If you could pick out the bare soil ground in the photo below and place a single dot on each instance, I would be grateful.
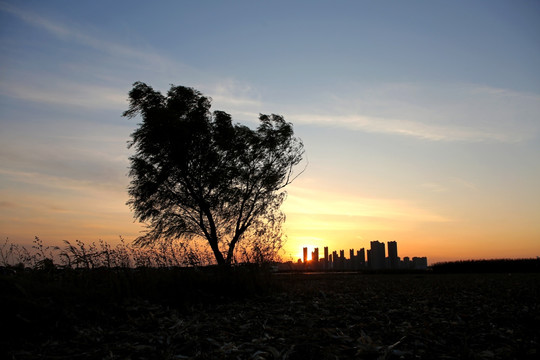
(286, 316)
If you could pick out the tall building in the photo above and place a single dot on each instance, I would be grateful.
(305, 255)
(326, 257)
(361, 258)
(377, 255)
(315, 256)
(393, 260)
(341, 265)
(351, 265)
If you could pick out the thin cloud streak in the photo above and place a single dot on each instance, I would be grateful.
(234, 96)
(434, 187)
(442, 112)
(68, 33)
(66, 93)
(40, 179)
(401, 127)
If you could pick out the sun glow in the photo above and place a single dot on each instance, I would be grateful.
(320, 204)
(305, 242)
(317, 218)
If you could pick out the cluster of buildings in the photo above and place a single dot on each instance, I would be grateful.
(378, 257)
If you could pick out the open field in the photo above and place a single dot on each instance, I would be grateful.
(171, 314)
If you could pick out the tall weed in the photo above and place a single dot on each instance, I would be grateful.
(80, 255)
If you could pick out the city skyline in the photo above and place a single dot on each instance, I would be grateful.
(420, 119)
(374, 258)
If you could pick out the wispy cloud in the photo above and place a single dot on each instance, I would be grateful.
(442, 112)
(405, 127)
(8, 204)
(450, 185)
(105, 85)
(79, 85)
(235, 97)
(234, 92)
(65, 184)
(72, 34)
(435, 187)
(65, 93)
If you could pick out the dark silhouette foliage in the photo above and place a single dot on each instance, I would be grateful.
(195, 174)
(488, 266)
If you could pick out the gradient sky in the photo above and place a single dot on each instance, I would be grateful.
(420, 119)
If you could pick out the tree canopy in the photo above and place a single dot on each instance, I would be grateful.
(195, 174)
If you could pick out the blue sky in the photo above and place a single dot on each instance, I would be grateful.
(421, 119)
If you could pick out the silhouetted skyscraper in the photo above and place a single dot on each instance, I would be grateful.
(393, 259)
(326, 257)
(341, 260)
(377, 256)
(361, 258)
(305, 255)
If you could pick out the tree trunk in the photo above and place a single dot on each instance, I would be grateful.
(211, 236)
(232, 245)
(217, 254)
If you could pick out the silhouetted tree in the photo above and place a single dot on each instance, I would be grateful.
(196, 174)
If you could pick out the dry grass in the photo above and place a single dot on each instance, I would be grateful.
(103, 255)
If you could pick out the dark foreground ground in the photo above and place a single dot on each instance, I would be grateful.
(270, 316)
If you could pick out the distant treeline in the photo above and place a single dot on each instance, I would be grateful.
(488, 266)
